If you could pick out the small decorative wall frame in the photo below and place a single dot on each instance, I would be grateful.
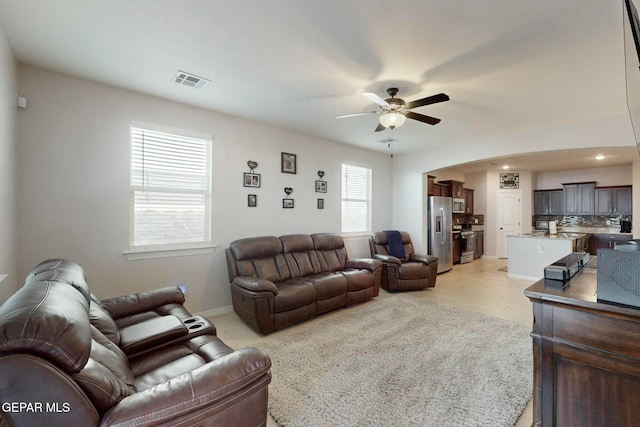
(509, 180)
(252, 200)
(320, 203)
(321, 186)
(251, 179)
(288, 163)
(287, 203)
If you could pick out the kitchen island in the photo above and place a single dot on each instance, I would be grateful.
(529, 254)
(586, 355)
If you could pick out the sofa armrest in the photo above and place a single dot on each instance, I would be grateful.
(255, 284)
(364, 263)
(197, 395)
(387, 259)
(425, 259)
(128, 305)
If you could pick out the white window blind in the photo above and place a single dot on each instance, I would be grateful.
(356, 199)
(170, 190)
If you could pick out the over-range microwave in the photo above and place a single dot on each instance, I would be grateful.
(458, 205)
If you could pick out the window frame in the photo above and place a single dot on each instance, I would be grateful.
(170, 249)
(368, 200)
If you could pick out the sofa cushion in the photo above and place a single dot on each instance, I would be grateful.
(101, 319)
(106, 378)
(328, 284)
(32, 321)
(63, 271)
(294, 293)
(358, 279)
(331, 251)
(413, 270)
(300, 254)
(259, 257)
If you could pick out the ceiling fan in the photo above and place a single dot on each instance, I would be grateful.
(394, 111)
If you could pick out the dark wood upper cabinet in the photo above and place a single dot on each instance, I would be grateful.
(547, 202)
(613, 200)
(579, 198)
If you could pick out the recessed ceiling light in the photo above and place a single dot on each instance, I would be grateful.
(505, 167)
(599, 157)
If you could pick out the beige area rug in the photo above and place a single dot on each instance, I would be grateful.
(400, 361)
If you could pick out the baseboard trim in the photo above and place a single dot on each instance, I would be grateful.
(216, 311)
(522, 276)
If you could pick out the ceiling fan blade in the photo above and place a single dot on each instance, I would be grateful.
(422, 118)
(380, 128)
(375, 98)
(434, 99)
(356, 114)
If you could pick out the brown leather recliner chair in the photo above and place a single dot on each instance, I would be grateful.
(403, 273)
(65, 362)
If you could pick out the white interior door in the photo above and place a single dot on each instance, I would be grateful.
(509, 219)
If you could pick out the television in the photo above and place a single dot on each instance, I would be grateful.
(631, 33)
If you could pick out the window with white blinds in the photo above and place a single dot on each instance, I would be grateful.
(170, 190)
(356, 199)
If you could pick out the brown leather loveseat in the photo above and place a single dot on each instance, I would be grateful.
(279, 281)
(69, 359)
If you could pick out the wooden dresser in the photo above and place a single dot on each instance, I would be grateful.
(586, 356)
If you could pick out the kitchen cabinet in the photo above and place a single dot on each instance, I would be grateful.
(457, 188)
(547, 202)
(479, 245)
(456, 247)
(468, 201)
(613, 200)
(578, 198)
(437, 189)
(605, 241)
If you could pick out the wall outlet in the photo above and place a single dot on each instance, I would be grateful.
(608, 222)
(476, 220)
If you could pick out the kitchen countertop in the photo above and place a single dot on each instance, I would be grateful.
(559, 236)
(594, 230)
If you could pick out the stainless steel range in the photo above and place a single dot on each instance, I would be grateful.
(467, 246)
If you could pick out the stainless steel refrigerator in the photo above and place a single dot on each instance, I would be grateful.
(440, 231)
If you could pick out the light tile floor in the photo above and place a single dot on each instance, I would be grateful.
(477, 286)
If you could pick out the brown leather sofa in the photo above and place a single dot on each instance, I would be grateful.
(279, 281)
(411, 272)
(68, 359)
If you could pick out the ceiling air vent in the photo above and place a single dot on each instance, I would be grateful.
(190, 80)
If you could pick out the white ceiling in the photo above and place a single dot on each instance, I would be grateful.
(508, 66)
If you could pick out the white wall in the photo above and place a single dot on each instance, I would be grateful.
(73, 171)
(606, 176)
(8, 245)
(408, 168)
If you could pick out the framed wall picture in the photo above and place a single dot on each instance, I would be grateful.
(252, 200)
(251, 179)
(321, 186)
(509, 181)
(288, 163)
(287, 203)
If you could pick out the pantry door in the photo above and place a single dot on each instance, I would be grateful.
(509, 219)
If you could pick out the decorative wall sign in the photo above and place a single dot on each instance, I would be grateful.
(509, 180)
(251, 179)
(287, 203)
(320, 203)
(252, 200)
(288, 163)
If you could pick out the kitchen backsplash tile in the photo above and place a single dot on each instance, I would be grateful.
(583, 221)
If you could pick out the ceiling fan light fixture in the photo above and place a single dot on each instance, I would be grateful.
(392, 120)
